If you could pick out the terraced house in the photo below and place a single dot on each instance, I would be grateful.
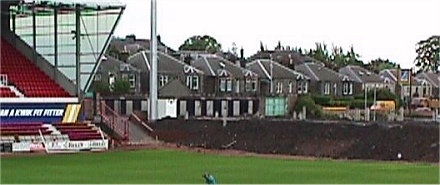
(224, 78)
(365, 79)
(175, 78)
(325, 81)
(277, 79)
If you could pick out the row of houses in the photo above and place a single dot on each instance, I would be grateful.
(214, 75)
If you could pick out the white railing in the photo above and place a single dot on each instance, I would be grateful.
(3, 79)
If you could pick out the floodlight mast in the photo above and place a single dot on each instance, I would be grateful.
(153, 60)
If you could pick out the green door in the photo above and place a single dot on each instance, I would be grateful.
(275, 106)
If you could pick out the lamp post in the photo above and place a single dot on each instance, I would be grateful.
(153, 60)
(366, 115)
(374, 113)
(438, 102)
(271, 74)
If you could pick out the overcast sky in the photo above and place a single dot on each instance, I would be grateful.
(376, 28)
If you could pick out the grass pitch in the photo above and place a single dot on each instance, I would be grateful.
(168, 166)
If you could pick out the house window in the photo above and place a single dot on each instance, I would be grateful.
(251, 85)
(229, 85)
(299, 87)
(192, 82)
(302, 87)
(97, 77)
(163, 80)
(237, 86)
(305, 86)
(335, 89)
(225, 85)
(350, 90)
(345, 88)
(279, 88)
(222, 85)
(327, 88)
(132, 80)
(125, 76)
(290, 87)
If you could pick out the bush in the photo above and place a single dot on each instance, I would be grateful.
(312, 108)
(101, 87)
(321, 99)
(360, 104)
(121, 87)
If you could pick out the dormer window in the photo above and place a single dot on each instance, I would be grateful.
(163, 80)
(347, 88)
(361, 73)
(124, 67)
(192, 82)
(279, 88)
(327, 88)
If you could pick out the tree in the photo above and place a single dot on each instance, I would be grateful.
(102, 87)
(201, 43)
(428, 54)
(353, 57)
(121, 87)
(379, 64)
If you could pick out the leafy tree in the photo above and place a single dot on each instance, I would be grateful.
(320, 52)
(428, 54)
(338, 57)
(379, 64)
(201, 43)
(121, 87)
(102, 87)
(353, 57)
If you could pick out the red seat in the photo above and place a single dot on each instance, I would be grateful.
(26, 76)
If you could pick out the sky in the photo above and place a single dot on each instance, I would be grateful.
(388, 29)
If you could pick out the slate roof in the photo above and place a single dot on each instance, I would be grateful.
(318, 72)
(109, 63)
(175, 88)
(135, 45)
(262, 68)
(165, 63)
(282, 56)
(360, 74)
(430, 77)
(213, 65)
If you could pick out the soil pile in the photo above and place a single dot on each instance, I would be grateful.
(344, 140)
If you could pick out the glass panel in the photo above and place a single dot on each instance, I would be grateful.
(95, 30)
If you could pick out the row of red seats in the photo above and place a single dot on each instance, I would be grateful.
(7, 92)
(26, 76)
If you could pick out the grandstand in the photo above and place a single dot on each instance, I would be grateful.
(49, 54)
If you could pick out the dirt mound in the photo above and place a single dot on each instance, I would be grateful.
(415, 142)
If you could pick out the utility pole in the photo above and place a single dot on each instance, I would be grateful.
(375, 103)
(153, 60)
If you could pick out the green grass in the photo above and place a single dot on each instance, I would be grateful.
(166, 166)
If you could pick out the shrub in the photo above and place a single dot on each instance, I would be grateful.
(321, 99)
(312, 108)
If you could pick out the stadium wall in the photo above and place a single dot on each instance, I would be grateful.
(195, 106)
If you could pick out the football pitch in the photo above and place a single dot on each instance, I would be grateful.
(182, 167)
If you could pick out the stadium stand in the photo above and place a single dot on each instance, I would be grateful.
(26, 77)
(30, 132)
